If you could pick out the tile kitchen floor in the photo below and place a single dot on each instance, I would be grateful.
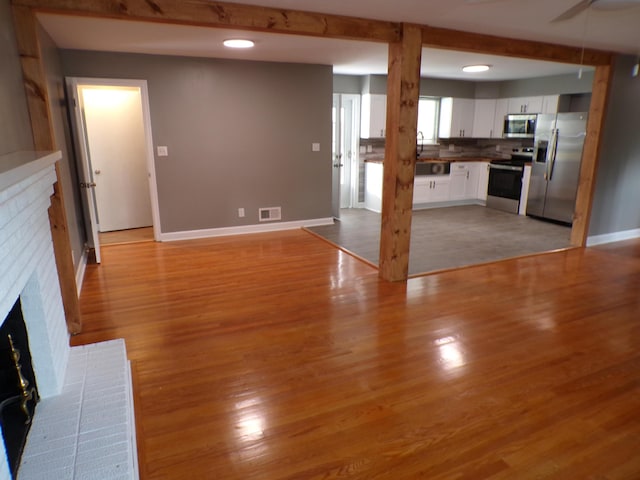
(450, 237)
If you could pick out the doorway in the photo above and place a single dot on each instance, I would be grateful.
(112, 132)
(346, 175)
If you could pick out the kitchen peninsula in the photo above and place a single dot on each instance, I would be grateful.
(441, 181)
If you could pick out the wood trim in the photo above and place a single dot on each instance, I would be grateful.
(64, 261)
(225, 15)
(490, 44)
(403, 90)
(590, 154)
(35, 83)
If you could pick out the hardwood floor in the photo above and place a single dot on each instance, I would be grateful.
(277, 356)
(132, 235)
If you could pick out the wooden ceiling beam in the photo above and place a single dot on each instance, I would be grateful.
(225, 15)
(480, 43)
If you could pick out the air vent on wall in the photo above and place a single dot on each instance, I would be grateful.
(269, 214)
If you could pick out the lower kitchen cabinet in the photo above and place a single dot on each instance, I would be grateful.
(483, 181)
(373, 186)
(466, 184)
(431, 189)
(464, 180)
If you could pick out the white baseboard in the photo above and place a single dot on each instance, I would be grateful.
(82, 266)
(613, 237)
(245, 229)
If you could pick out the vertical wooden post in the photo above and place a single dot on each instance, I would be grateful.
(590, 154)
(403, 91)
(35, 84)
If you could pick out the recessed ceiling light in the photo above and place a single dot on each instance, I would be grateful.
(475, 68)
(238, 43)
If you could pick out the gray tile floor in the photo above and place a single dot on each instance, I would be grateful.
(450, 237)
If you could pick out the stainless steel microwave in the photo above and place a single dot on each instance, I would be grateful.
(519, 126)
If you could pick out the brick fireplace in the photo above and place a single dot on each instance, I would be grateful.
(83, 426)
(27, 267)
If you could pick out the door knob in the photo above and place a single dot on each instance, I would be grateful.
(97, 172)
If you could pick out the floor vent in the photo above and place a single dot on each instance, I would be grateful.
(269, 214)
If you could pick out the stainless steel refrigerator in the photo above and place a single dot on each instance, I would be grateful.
(555, 168)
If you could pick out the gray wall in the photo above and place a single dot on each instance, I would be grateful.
(350, 84)
(558, 84)
(15, 127)
(68, 172)
(437, 87)
(239, 134)
(616, 205)
(377, 84)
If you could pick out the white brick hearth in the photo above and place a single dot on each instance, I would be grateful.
(83, 428)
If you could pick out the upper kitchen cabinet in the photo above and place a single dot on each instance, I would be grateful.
(488, 117)
(502, 108)
(456, 117)
(555, 103)
(525, 105)
(373, 116)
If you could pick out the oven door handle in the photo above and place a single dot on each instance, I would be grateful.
(511, 168)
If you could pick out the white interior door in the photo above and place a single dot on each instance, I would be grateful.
(84, 170)
(346, 134)
(116, 146)
(350, 136)
(336, 157)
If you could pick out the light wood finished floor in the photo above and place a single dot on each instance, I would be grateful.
(450, 237)
(277, 356)
(133, 235)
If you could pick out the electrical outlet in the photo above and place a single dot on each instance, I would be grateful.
(315, 147)
(163, 151)
(241, 212)
(452, 147)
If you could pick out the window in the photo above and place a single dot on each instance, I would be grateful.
(428, 108)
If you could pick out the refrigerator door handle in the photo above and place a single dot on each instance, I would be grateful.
(551, 160)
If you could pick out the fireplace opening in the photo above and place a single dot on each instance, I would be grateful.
(18, 391)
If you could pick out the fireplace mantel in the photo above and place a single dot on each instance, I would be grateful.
(17, 166)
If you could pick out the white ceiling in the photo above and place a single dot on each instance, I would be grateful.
(527, 19)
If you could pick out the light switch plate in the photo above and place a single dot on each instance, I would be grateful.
(163, 151)
(315, 147)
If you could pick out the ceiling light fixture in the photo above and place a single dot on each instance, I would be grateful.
(476, 68)
(238, 43)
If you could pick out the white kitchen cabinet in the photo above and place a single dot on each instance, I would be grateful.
(483, 181)
(484, 118)
(502, 108)
(464, 180)
(555, 103)
(373, 116)
(373, 186)
(431, 189)
(550, 104)
(456, 117)
(459, 174)
(525, 105)
(471, 187)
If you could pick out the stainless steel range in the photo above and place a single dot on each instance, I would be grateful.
(505, 180)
